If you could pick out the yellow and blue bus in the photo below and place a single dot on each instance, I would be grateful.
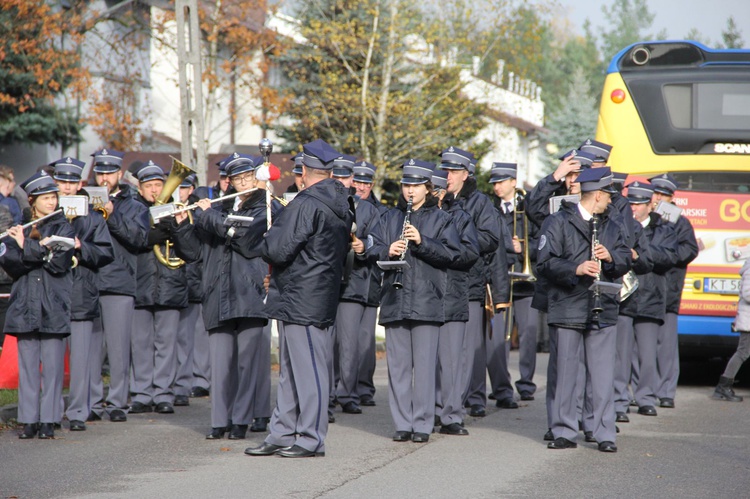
(679, 107)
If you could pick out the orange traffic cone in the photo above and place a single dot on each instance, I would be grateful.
(9, 363)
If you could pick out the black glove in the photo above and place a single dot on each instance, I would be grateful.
(159, 234)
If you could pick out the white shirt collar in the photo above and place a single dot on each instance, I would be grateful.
(237, 203)
(646, 222)
(584, 213)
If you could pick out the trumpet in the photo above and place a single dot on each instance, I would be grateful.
(397, 284)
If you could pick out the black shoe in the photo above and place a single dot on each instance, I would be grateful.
(402, 436)
(607, 447)
(199, 391)
(367, 402)
(562, 443)
(668, 403)
(351, 408)
(477, 411)
(622, 418)
(589, 436)
(633, 403)
(453, 429)
(260, 425)
(93, 417)
(216, 433)
(29, 431)
(420, 438)
(491, 396)
(264, 449)
(118, 416)
(527, 396)
(331, 418)
(617, 429)
(140, 408)
(181, 400)
(647, 410)
(238, 432)
(164, 408)
(507, 403)
(549, 437)
(297, 451)
(76, 425)
(46, 431)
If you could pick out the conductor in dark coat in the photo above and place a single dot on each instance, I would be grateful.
(306, 247)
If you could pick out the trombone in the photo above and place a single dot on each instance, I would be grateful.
(527, 272)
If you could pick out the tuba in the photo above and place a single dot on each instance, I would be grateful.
(177, 174)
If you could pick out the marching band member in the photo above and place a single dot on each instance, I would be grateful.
(40, 305)
(128, 224)
(503, 180)
(462, 190)
(306, 248)
(190, 324)
(449, 375)
(364, 174)
(93, 250)
(571, 256)
(412, 306)
(651, 295)
(233, 294)
(351, 333)
(161, 294)
(667, 348)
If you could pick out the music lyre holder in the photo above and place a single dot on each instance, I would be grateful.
(608, 288)
(393, 264)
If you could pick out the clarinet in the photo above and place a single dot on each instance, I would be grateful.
(597, 309)
(397, 284)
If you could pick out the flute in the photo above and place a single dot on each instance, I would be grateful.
(34, 222)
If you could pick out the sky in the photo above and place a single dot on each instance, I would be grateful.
(677, 17)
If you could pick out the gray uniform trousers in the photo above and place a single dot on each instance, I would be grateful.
(189, 317)
(154, 345)
(411, 350)
(365, 383)
(527, 319)
(348, 320)
(646, 335)
(623, 362)
(599, 348)
(668, 357)
(113, 329)
(81, 352)
(448, 387)
(498, 356)
(201, 354)
(49, 351)
(301, 413)
(475, 357)
(261, 366)
(233, 346)
(549, 397)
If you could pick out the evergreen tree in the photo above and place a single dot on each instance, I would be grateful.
(629, 21)
(34, 70)
(575, 121)
(732, 35)
(697, 36)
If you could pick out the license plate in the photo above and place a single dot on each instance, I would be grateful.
(721, 286)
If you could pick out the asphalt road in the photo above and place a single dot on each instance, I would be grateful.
(699, 449)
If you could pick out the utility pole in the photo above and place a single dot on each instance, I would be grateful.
(191, 86)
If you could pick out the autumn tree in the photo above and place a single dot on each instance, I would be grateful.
(236, 53)
(380, 80)
(38, 63)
